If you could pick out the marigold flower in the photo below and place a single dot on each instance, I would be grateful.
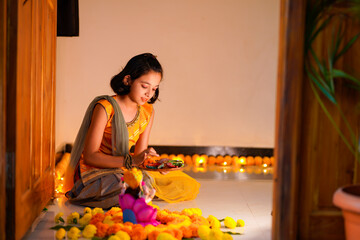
(98, 217)
(89, 231)
(215, 234)
(101, 229)
(229, 222)
(73, 218)
(85, 220)
(165, 236)
(108, 220)
(97, 210)
(149, 228)
(187, 233)
(227, 236)
(113, 237)
(122, 235)
(73, 233)
(214, 222)
(87, 210)
(240, 223)
(203, 232)
(58, 218)
(138, 232)
(60, 234)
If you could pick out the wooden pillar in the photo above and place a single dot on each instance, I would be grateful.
(288, 113)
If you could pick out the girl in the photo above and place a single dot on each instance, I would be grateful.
(111, 127)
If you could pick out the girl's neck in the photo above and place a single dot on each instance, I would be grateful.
(125, 102)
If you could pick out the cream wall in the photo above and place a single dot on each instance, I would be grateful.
(219, 59)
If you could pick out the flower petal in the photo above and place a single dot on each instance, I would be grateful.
(126, 201)
(146, 214)
(139, 204)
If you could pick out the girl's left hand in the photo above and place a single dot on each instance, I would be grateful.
(147, 153)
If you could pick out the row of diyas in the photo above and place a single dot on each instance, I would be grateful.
(227, 160)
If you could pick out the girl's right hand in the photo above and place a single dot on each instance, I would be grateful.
(147, 153)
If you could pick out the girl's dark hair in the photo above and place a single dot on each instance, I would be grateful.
(136, 67)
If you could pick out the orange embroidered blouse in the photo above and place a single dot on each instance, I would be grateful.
(135, 129)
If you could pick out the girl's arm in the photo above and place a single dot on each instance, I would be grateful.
(92, 155)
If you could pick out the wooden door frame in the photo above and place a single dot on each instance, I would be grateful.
(2, 118)
(288, 109)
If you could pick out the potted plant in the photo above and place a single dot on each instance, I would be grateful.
(323, 73)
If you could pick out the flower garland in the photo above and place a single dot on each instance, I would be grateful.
(189, 223)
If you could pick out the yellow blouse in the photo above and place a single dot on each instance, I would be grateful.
(135, 129)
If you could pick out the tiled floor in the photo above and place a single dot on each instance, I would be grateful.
(240, 196)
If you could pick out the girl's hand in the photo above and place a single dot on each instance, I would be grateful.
(140, 158)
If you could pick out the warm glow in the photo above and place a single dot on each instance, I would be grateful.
(242, 170)
(225, 171)
(225, 163)
(265, 165)
(265, 170)
(242, 160)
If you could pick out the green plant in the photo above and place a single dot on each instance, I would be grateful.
(321, 16)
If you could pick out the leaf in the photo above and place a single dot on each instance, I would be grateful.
(346, 47)
(331, 119)
(321, 88)
(234, 233)
(221, 220)
(45, 209)
(337, 73)
(321, 27)
(67, 227)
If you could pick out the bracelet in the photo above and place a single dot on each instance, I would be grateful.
(128, 161)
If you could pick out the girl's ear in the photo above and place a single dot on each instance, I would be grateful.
(127, 80)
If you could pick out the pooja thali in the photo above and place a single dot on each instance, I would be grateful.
(162, 165)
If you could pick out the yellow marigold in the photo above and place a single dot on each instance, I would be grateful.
(227, 236)
(240, 223)
(115, 209)
(203, 232)
(213, 221)
(85, 220)
(73, 218)
(58, 218)
(89, 231)
(97, 210)
(191, 211)
(87, 210)
(108, 220)
(215, 234)
(229, 222)
(60, 234)
(113, 237)
(165, 236)
(73, 233)
(149, 228)
(122, 235)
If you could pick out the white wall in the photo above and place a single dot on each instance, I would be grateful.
(219, 59)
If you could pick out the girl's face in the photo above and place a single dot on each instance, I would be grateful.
(143, 88)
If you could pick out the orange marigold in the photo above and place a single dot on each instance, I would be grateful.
(194, 228)
(101, 229)
(187, 232)
(99, 217)
(177, 233)
(138, 233)
(153, 235)
(114, 229)
(117, 219)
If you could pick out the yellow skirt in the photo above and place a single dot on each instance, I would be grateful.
(174, 186)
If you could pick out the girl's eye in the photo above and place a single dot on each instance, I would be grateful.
(144, 86)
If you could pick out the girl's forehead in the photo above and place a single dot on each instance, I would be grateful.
(152, 78)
